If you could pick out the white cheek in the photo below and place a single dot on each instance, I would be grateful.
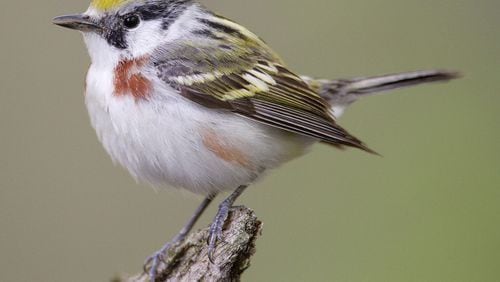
(100, 51)
(150, 34)
(145, 38)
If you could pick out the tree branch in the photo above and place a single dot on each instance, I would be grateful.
(188, 261)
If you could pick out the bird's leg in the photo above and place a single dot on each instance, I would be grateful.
(220, 219)
(153, 262)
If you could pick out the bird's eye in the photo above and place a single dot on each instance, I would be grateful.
(131, 21)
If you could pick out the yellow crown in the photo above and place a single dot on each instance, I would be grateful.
(106, 5)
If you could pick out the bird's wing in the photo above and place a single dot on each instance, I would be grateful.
(248, 79)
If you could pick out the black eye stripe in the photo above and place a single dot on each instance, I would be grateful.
(114, 32)
(116, 38)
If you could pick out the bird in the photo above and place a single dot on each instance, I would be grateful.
(183, 97)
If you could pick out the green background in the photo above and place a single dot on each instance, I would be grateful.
(429, 210)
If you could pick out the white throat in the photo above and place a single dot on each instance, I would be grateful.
(101, 53)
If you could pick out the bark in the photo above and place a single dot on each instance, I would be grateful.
(188, 261)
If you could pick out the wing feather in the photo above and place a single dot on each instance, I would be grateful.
(247, 78)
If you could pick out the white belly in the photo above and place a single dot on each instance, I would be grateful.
(170, 141)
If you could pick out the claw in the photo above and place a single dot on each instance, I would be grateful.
(216, 229)
(212, 240)
(220, 219)
(153, 272)
(211, 256)
(211, 247)
(145, 266)
(153, 262)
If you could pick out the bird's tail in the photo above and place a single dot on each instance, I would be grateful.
(342, 92)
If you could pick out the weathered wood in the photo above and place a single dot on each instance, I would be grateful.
(188, 261)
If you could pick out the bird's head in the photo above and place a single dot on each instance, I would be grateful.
(127, 29)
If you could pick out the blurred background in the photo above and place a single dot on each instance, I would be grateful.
(428, 210)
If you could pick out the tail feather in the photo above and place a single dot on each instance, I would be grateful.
(343, 92)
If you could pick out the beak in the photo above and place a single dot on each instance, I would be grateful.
(77, 22)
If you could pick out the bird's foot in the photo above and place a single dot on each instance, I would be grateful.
(153, 263)
(215, 233)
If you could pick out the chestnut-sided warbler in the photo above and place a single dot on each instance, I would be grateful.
(186, 98)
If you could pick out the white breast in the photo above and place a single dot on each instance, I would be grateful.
(167, 140)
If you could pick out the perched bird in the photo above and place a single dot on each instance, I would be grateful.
(183, 97)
